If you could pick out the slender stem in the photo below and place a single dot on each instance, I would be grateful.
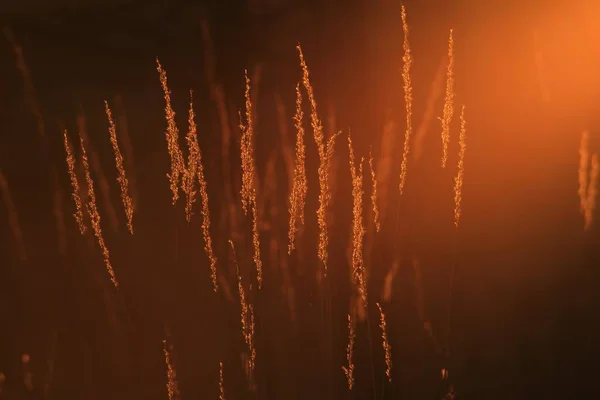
(450, 290)
(322, 325)
(329, 337)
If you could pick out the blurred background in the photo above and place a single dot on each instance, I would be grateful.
(525, 303)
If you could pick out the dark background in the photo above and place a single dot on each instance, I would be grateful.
(525, 301)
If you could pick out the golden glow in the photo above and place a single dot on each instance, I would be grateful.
(172, 385)
(374, 193)
(300, 185)
(195, 169)
(92, 210)
(386, 344)
(358, 229)
(247, 151)
(221, 388)
(349, 370)
(448, 102)
(74, 184)
(206, 222)
(172, 136)
(191, 170)
(325, 154)
(407, 60)
(249, 180)
(121, 121)
(458, 180)
(122, 177)
(246, 315)
(103, 185)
